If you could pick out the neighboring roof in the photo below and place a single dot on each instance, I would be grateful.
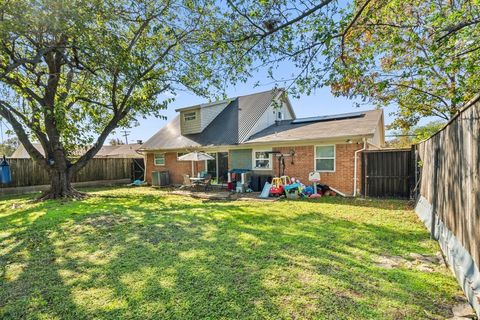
(21, 152)
(119, 151)
(335, 126)
(107, 151)
(230, 127)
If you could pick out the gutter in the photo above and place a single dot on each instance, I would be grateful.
(248, 145)
(355, 167)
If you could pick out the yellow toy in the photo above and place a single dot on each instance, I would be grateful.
(278, 184)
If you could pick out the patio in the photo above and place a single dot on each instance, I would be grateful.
(218, 193)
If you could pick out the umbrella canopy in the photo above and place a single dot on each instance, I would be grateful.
(195, 156)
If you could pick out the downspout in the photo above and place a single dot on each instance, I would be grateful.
(355, 167)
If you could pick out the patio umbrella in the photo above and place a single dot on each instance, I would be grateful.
(195, 156)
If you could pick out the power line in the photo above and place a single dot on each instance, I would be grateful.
(125, 134)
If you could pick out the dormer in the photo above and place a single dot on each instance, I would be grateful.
(196, 118)
(190, 121)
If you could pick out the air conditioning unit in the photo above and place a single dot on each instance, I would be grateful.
(160, 178)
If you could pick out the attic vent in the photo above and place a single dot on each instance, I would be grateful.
(351, 115)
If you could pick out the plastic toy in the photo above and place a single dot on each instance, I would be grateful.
(277, 188)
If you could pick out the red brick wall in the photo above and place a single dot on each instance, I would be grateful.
(341, 179)
(175, 168)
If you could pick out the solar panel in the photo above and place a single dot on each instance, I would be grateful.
(350, 115)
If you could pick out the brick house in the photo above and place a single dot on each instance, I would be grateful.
(250, 132)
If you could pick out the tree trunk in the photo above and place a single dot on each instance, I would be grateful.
(60, 181)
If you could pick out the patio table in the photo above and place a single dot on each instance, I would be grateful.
(197, 181)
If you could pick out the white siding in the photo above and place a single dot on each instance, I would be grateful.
(378, 138)
(191, 126)
(269, 116)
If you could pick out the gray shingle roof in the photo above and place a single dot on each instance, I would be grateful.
(230, 127)
(329, 129)
(233, 125)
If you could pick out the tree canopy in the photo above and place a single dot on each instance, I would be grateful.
(73, 71)
(420, 56)
(405, 138)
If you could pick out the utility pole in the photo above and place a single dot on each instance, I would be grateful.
(126, 134)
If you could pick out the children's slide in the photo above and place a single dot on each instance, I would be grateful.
(266, 190)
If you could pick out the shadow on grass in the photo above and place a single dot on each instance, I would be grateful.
(150, 256)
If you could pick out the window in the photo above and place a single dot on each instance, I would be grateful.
(190, 116)
(279, 115)
(179, 154)
(159, 159)
(325, 158)
(262, 160)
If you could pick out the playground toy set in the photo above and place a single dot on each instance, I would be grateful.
(293, 188)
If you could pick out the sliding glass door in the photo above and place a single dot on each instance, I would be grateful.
(218, 167)
(222, 167)
(211, 166)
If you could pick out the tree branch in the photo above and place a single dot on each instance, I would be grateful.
(349, 26)
(284, 25)
(455, 28)
(22, 135)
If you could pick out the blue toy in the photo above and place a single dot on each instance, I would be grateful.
(308, 191)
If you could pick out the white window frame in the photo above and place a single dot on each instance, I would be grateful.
(189, 116)
(270, 163)
(328, 158)
(155, 159)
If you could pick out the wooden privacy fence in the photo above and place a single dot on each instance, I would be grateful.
(449, 199)
(26, 172)
(387, 173)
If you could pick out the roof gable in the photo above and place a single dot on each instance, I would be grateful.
(231, 126)
(251, 108)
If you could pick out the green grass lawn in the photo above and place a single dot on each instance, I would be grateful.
(143, 254)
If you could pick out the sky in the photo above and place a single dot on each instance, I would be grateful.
(321, 102)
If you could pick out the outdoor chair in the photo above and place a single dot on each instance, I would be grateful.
(207, 183)
(187, 183)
